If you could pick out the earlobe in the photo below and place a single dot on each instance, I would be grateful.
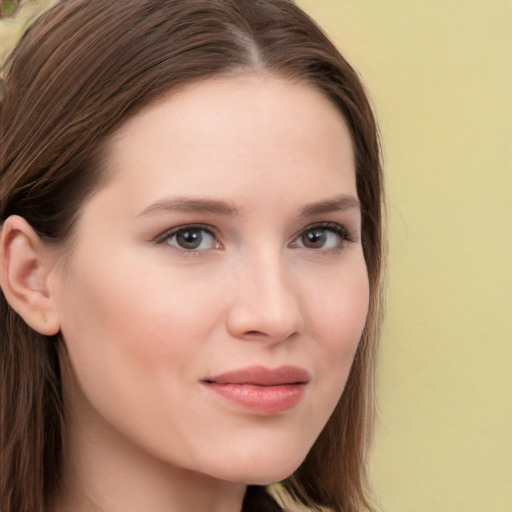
(25, 264)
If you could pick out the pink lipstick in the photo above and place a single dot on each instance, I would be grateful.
(261, 389)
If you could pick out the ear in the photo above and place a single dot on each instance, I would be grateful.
(25, 266)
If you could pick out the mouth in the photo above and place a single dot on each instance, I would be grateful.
(263, 390)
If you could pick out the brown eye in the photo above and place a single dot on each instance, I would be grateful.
(323, 237)
(314, 238)
(191, 239)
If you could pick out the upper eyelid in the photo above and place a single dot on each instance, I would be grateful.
(322, 224)
(333, 225)
(172, 231)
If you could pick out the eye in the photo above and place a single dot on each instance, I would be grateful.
(190, 238)
(322, 236)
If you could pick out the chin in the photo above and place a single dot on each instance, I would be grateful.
(263, 471)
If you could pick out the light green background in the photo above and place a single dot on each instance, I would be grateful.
(439, 74)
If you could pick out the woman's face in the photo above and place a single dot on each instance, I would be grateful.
(217, 290)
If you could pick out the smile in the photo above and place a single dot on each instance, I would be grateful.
(263, 390)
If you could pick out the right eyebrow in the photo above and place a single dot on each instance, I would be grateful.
(191, 205)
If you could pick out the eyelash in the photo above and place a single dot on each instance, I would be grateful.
(167, 235)
(334, 227)
(338, 229)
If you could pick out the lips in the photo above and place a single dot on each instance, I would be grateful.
(261, 389)
(262, 376)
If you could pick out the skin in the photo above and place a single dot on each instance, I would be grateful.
(145, 321)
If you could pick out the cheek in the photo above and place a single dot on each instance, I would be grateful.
(339, 312)
(339, 308)
(110, 328)
(131, 335)
(120, 345)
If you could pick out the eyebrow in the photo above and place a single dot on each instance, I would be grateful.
(199, 205)
(337, 204)
(191, 205)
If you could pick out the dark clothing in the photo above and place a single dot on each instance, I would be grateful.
(257, 499)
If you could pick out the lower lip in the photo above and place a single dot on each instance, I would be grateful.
(263, 399)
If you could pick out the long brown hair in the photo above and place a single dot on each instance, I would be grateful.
(82, 69)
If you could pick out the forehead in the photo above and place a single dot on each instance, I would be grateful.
(227, 135)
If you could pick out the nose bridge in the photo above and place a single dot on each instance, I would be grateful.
(266, 303)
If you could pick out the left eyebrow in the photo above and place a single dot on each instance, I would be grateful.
(337, 204)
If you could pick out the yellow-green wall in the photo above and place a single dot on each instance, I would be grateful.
(439, 74)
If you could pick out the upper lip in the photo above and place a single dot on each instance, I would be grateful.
(262, 376)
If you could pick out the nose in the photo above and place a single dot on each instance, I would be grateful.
(266, 303)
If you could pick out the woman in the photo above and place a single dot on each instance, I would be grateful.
(190, 261)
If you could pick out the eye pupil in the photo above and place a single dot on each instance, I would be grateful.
(189, 238)
(314, 238)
